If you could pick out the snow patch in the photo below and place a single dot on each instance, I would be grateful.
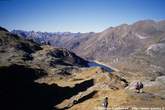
(140, 36)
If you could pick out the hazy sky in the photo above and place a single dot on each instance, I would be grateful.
(76, 15)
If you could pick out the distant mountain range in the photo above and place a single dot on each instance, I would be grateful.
(138, 48)
(58, 39)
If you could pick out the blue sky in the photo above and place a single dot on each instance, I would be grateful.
(76, 15)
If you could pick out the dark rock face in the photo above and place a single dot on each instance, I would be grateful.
(68, 56)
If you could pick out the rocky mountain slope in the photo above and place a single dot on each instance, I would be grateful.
(55, 78)
(46, 78)
(15, 50)
(23, 62)
(137, 48)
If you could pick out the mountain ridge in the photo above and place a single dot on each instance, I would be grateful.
(125, 47)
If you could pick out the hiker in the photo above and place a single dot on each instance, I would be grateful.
(139, 87)
(105, 103)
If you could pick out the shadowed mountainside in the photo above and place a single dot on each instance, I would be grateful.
(19, 91)
(24, 62)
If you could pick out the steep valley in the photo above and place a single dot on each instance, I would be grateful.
(76, 71)
(137, 48)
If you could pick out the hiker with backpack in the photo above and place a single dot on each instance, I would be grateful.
(105, 103)
(139, 87)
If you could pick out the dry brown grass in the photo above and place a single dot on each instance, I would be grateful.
(120, 97)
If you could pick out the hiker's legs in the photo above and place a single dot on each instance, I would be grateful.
(138, 91)
(105, 108)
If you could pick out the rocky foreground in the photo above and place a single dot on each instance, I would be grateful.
(35, 77)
